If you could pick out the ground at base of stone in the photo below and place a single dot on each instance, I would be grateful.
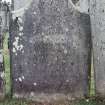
(95, 101)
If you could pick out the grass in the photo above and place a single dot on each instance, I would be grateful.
(91, 102)
(13, 102)
(24, 102)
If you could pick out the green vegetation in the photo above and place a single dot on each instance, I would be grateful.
(7, 64)
(14, 102)
(82, 102)
(91, 102)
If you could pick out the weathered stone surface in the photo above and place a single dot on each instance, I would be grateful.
(50, 50)
(2, 22)
(97, 12)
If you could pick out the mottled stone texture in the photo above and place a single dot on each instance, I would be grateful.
(50, 51)
(2, 20)
(97, 12)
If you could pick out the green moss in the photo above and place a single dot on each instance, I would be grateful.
(7, 64)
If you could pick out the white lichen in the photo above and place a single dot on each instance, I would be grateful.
(16, 80)
(98, 58)
(21, 47)
(67, 80)
(23, 51)
(17, 46)
(66, 29)
(20, 19)
(87, 100)
(34, 13)
(1, 58)
(14, 50)
(2, 74)
(21, 28)
(20, 79)
(32, 94)
(23, 77)
(65, 51)
(35, 84)
(25, 63)
(16, 54)
(21, 34)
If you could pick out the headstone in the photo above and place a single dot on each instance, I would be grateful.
(50, 50)
(97, 13)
